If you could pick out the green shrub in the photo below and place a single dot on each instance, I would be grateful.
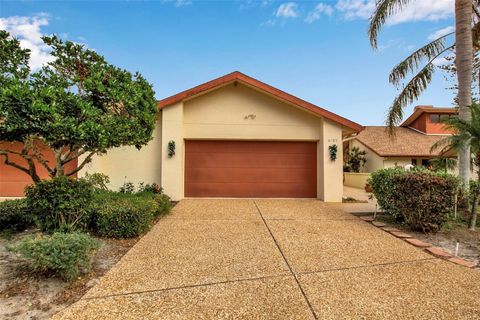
(61, 203)
(163, 202)
(152, 188)
(66, 255)
(385, 190)
(98, 180)
(426, 199)
(125, 217)
(421, 198)
(14, 216)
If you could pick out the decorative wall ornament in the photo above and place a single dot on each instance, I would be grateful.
(332, 150)
(171, 148)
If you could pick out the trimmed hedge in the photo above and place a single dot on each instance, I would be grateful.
(15, 216)
(124, 215)
(60, 204)
(421, 198)
(385, 190)
(66, 255)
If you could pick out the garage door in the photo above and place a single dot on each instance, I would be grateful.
(250, 169)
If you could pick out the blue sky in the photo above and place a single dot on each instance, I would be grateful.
(316, 50)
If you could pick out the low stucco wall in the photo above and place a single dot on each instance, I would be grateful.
(355, 180)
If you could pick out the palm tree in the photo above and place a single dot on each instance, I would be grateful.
(466, 134)
(444, 164)
(467, 39)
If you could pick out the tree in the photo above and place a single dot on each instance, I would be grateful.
(466, 134)
(78, 105)
(467, 37)
(443, 164)
(356, 159)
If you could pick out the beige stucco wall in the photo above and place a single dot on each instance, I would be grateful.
(172, 168)
(330, 173)
(374, 161)
(355, 180)
(130, 164)
(221, 115)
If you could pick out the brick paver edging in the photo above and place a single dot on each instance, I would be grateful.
(427, 247)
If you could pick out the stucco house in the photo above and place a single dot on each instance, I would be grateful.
(412, 142)
(237, 137)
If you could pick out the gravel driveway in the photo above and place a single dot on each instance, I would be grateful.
(276, 259)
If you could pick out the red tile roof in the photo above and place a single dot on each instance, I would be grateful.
(406, 142)
(240, 77)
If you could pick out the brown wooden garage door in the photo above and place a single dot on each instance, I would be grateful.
(250, 169)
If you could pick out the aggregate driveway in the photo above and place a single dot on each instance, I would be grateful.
(276, 259)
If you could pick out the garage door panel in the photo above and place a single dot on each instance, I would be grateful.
(256, 147)
(257, 190)
(246, 160)
(250, 169)
(248, 175)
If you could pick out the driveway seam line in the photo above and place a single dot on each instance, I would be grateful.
(368, 266)
(286, 261)
(191, 286)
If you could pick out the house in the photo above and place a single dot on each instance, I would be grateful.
(412, 142)
(237, 137)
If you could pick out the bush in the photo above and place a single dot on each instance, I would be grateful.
(385, 190)
(426, 199)
(61, 203)
(14, 216)
(124, 217)
(423, 199)
(98, 180)
(66, 255)
(163, 202)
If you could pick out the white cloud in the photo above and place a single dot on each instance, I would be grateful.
(178, 3)
(319, 9)
(356, 9)
(440, 61)
(287, 10)
(27, 31)
(417, 10)
(441, 32)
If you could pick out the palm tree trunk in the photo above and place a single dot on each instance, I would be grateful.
(473, 215)
(464, 65)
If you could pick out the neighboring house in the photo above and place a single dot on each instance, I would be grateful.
(12, 180)
(237, 137)
(412, 142)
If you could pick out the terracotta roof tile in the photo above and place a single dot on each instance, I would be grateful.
(406, 143)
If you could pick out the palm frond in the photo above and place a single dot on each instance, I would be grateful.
(384, 9)
(428, 52)
(410, 92)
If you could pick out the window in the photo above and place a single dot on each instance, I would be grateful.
(425, 162)
(414, 162)
(444, 117)
(435, 118)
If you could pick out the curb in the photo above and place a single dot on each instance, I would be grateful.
(425, 246)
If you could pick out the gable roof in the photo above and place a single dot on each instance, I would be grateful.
(249, 81)
(406, 143)
(419, 110)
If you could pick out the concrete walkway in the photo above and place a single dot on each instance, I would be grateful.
(276, 259)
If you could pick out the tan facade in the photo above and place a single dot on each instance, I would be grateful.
(235, 111)
(376, 162)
